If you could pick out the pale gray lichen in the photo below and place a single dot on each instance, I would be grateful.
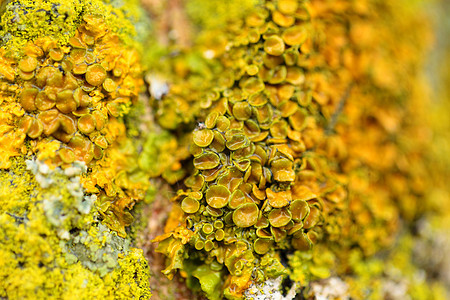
(40, 171)
(34, 250)
(97, 249)
(330, 288)
(395, 290)
(84, 206)
(62, 194)
(47, 177)
(431, 251)
(96, 246)
(269, 290)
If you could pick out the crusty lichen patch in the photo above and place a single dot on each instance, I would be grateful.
(69, 73)
(40, 230)
(25, 20)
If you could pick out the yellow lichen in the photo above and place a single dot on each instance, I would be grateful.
(41, 214)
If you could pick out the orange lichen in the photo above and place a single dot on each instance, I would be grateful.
(282, 127)
(66, 104)
(61, 88)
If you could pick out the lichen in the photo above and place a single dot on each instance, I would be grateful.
(160, 157)
(301, 139)
(219, 13)
(97, 249)
(311, 265)
(26, 20)
(295, 134)
(69, 72)
(269, 289)
(396, 276)
(38, 230)
(64, 99)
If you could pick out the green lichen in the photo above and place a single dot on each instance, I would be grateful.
(97, 249)
(159, 156)
(156, 154)
(64, 208)
(204, 278)
(314, 264)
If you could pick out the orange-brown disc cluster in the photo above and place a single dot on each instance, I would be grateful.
(297, 145)
(75, 93)
(66, 103)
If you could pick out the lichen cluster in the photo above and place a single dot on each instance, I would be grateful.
(74, 93)
(302, 136)
(26, 20)
(69, 74)
(65, 102)
(53, 245)
(294, 135)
